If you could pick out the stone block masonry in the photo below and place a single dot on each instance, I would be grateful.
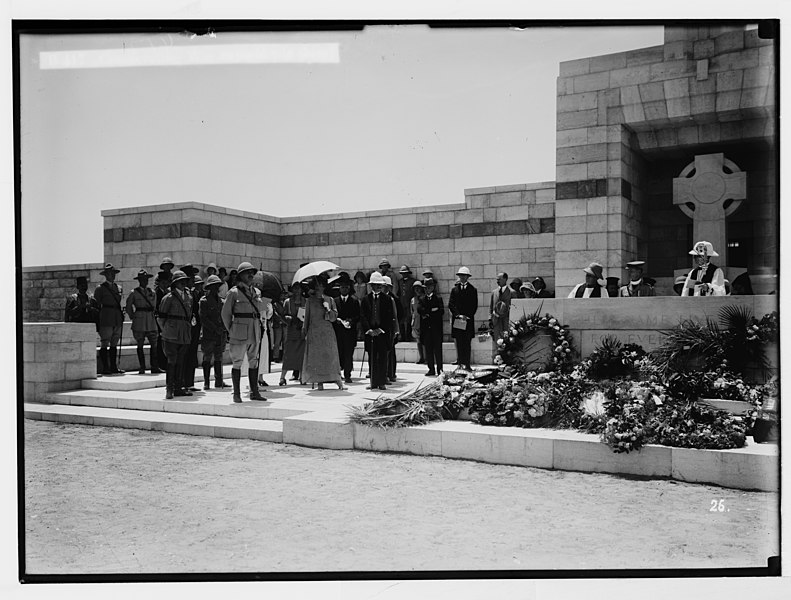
(45, 289)
(57, 357)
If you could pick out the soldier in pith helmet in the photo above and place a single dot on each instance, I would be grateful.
(175, 322)
(212, 332)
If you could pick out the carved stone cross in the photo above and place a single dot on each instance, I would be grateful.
(706, 184)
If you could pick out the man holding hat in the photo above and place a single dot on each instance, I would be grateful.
(345, 325)
(431, 308)
(377, 317)
(111, 319)
(140, 306)
(212, 332)
(175, 321)
(405, 292)
(594, 286)
(637, 287)
(463, 303)
(706, 279)
(242, 315)
(81, 307)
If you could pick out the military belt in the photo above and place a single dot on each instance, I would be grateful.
(143, 309)
(177, 317)
(245, 315)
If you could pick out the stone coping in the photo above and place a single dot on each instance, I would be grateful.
(71, 267)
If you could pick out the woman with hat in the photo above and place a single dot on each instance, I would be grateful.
(140, 306)
(594, 286)
(294, 343)
(175, 324)
(541, 288)
(462, 304)
(321, 362)
(111, 319)
(706, 279)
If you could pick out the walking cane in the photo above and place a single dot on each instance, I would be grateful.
(363, 361)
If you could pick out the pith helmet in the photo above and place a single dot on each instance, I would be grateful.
(464, 271)
(198, 280)
(167, 262)
(245, 266)
(376, 278)
(178, 276)
(404, 270)
(212, 280)
(387, 280)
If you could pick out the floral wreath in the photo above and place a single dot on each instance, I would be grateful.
(515, 342)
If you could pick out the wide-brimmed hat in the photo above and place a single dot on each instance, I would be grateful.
(464, 271)
(597, 271)
(167, 261)
(418, 283)
(178, 275)
(143, 274)
(635, 264)
(404, 270)
(384, 262)
(539, 280)
(376, 278)
(703, 249)
(528, 286)
(109, 267)
(189, 270)
(212, 280)
(245, 266)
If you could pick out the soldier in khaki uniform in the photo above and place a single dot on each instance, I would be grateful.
(212, 332)
(111, 320)
(140, 306)
(175, 321)
(242, 315)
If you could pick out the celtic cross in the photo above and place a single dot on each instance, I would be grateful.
(702, 190)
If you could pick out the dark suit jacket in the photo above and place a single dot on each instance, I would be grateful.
(348, 311)
(386, 315)
(431, 321)
(464, 302)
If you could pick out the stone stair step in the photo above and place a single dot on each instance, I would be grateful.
(171, 422)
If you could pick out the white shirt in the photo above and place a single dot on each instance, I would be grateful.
(588, 291)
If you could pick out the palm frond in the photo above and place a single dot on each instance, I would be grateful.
(735, 318)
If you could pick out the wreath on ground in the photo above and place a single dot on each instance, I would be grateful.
(519, 345)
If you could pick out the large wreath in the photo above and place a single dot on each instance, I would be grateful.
(518, 346)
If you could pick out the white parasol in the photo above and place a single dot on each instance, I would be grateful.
(312, 269)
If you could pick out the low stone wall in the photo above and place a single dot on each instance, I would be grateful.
(45, 289)
(56, 357)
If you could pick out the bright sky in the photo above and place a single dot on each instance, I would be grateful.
(407, 116)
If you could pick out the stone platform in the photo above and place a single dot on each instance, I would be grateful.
(297, 414)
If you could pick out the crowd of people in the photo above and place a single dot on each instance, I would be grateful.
(313, 328)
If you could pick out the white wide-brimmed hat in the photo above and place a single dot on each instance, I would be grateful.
(703, 249)
(376, 278)
(464, 271)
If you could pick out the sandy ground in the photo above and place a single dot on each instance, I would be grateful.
(105, 500)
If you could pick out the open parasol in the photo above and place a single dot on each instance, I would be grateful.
(269, 284)
(313, 269)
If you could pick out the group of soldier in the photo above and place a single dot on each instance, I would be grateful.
(182, 313)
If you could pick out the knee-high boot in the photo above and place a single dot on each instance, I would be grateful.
(218, 382)
(252, 375)
(104, 366)
(236, 378)
(206, 376)
(141, 360)
(153, 357)
(170, 380)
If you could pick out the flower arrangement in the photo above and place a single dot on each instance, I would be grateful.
(611, 359)
(518, 345)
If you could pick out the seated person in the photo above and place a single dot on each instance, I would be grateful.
(594, 286)
(742, 286)
(528, 291)
(516, 285)
(706, 279)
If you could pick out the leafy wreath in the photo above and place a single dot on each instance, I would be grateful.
(518, 346)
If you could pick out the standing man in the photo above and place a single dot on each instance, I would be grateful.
(405, 293)
(191, 358)
(212, 332)
(81, 307)
(167, 265)
(162, 283)
(376, 316)
(175, 322)
(462, 304)
(499, 310)
(391, 358)
(346, 326)
(111, 319)
(431, 309)
(140, 306)
(386, 271)
(637, 286)
(243, 318)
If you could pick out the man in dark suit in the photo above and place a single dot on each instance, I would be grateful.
(499, 310)
(430, 308)
(462, 304)
(346, 325)
(376, 317)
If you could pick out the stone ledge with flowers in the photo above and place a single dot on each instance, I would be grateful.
(626, 396)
